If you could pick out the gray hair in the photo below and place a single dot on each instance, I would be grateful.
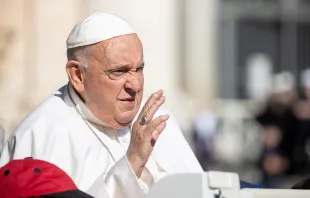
(79, 54)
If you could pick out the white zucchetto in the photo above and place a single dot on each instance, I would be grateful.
(97, 27)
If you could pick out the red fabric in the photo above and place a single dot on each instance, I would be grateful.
(29, 177)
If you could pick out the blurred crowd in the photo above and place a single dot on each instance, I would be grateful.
(273, 138)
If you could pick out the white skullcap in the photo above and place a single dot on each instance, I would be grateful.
(97, 27)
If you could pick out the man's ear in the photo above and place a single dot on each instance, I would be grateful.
(74, 72)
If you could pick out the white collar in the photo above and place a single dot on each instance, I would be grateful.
(90, 117)
(83, 109)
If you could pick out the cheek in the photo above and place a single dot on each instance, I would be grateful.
(111, 90)
(103, 91)
(141, 81)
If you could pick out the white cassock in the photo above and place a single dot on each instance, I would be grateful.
(63, 131)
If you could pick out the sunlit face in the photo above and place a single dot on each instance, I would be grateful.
(113, 81)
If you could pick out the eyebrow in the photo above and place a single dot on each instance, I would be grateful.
(121, 67)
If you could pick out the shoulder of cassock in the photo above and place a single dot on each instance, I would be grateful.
(55, 133)
(53, 119)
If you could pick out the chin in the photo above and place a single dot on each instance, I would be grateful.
(125, 118)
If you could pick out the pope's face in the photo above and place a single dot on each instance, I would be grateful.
(113, 81)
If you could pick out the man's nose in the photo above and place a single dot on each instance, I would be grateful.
(134, 82)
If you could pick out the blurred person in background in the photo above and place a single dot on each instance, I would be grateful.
(96, 128)
(302, 111)
(279, 123)
(272, 162)
(204, 127)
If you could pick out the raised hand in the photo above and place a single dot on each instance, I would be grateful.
(145, 132)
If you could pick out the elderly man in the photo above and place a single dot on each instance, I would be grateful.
(93, 128)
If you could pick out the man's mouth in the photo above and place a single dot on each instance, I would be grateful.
(127, 99)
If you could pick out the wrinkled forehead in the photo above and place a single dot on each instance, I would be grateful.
(123, 49)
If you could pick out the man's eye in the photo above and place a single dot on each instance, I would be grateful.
(140, 69)
(117, 73)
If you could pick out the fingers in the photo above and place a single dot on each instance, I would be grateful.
(154, 107)
(156, 122)
(158, 131)
(149, 109)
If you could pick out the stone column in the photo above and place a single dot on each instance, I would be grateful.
(50, 22)
(201, 50)
(34, 55)
(11, 60)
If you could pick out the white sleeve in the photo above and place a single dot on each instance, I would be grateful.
(119, 182)
(5, 155)
(14, 150)
(98, 189)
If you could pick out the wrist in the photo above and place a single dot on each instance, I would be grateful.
(136, 163)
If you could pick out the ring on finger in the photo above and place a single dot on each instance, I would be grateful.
(144, 120)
